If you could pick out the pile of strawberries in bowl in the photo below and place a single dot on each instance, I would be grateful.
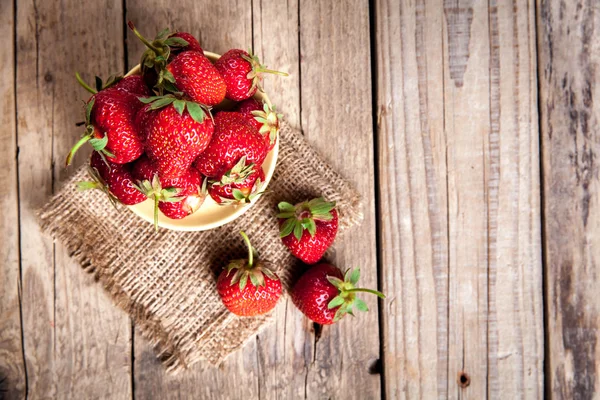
(183, 127)
(188, 127)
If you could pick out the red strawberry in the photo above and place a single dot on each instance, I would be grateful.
(243, 298)
(110, 125)
(134, 84)
(263, 117)
(194, 75)
(159, 52)
(314, 225)
(233, 139)
(175, 133)
(190, 185)
(324, 295)
(114, 179)
(176, 198)
(192, 43)
(241, 184)
(242, 73)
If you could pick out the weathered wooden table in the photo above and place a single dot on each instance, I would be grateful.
(470, 128)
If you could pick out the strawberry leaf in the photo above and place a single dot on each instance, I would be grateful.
(361, 305)
(335, 302)
(286, 207)
(99, 144)
(88, 110)
(150, 99)
(162, 102)
(179, 106)
(237, 194)
(243, 281)
(287, 227)
(168, 76)
(254, 280)
(99, 86)
(196, 112)
(355, 276)
(162, 34)
(176, 42)
(337, 282)
(286, 215)
(298, 231)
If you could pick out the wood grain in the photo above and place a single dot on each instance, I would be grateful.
(336, 107)
(412, 193)
(12, 365)
(569, 76)
(283, 349)
(237, 376)
(76, 342)
(459, 198)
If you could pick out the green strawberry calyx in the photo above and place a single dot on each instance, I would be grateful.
(269, 119)
(346, 300)
(303, 216)
(90, 135)
(257, 71)
(154, 191)
(156, 56)
(249, 269)
(236, 175)
(97, 182)
(196, 110)
(244, 196)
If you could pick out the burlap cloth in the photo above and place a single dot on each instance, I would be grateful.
(166, 281)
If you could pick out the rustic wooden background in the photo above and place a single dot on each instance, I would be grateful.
(470, 128)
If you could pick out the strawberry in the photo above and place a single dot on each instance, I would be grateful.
(176, 198)
(110, 127)
(314, 225)
(175, 133)
(192, 43)
(242, 73)
(325, 296)
(239, 185)
(263, 117)
(134, 84)
(243, 298)
(194, 75)
(233, 138)
(113, 179)
(161, 51)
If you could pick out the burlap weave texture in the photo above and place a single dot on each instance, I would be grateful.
(166, 281)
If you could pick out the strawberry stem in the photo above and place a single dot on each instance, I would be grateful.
(250, 252)
(270, 71)
(155, 212)
(74, 149)
(375, 292)
(85, 85)
(143, 39)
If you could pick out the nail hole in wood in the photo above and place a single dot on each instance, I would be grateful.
(463, 379)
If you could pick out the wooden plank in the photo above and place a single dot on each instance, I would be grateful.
(413, 198)
(336, 114)
(569, 85)
(77, 343)
(12, 365)
(237, 376)
(283, 358)
(459, 198)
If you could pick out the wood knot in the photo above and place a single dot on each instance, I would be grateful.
(463, 379)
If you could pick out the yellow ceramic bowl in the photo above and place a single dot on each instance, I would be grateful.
(211, 214)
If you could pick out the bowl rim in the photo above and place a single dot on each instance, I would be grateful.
(173, 224)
